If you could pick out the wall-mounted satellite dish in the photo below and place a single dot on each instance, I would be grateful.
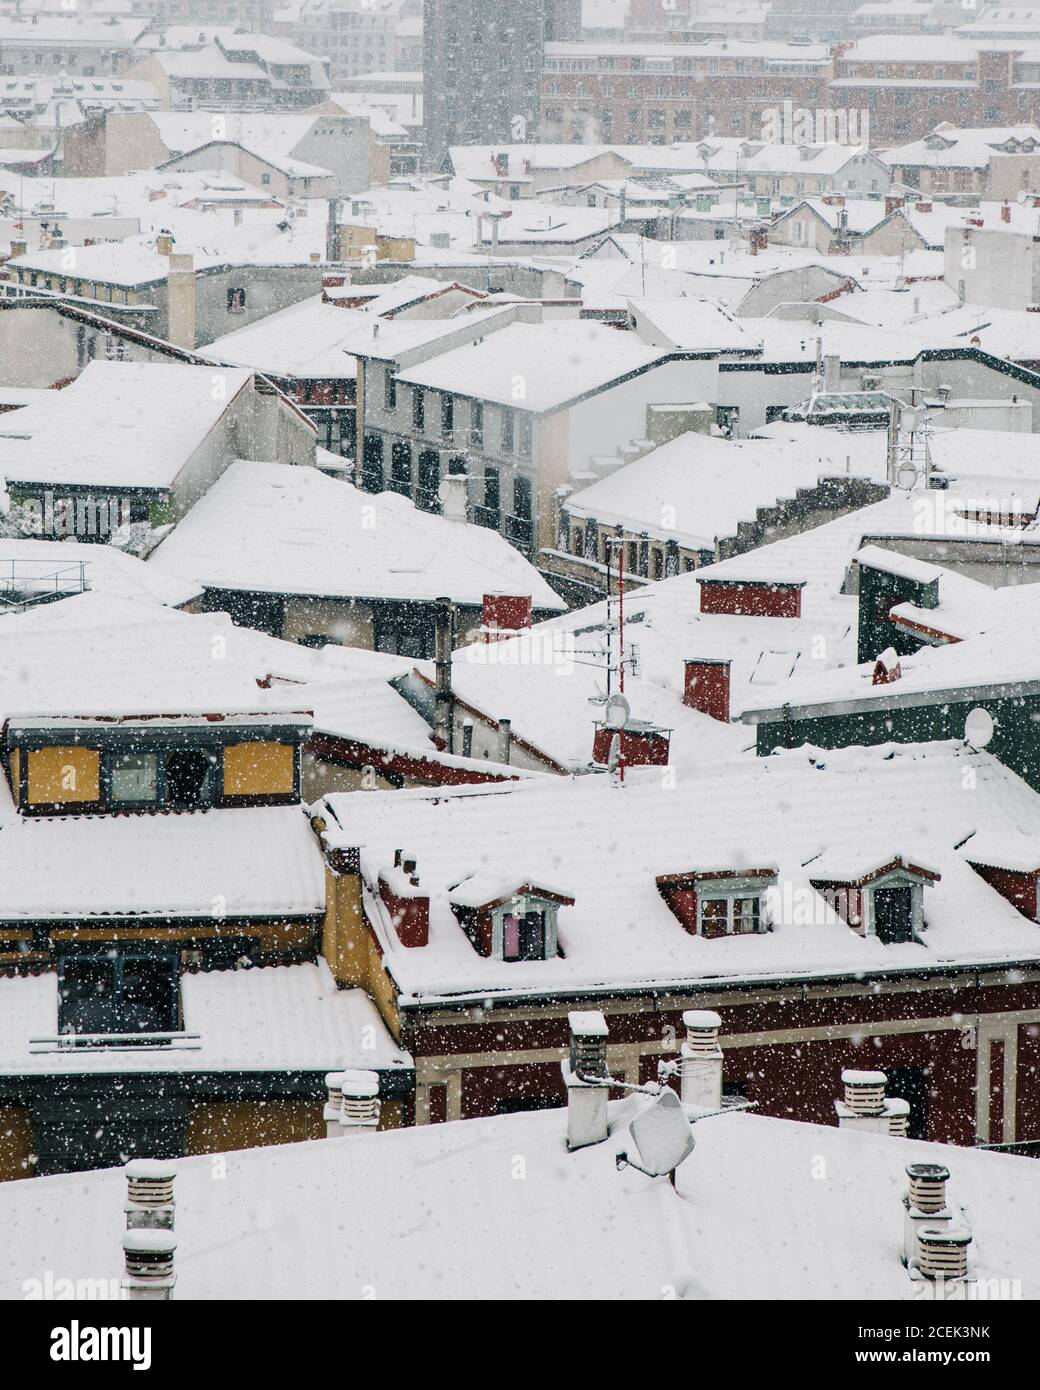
(979, 728)
(616, 712)
(909, 420)
(907, 477)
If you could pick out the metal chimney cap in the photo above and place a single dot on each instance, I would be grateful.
(927, 1172)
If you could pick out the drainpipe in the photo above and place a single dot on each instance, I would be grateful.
(444, 712)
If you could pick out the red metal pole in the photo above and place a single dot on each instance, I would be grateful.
(621, 644)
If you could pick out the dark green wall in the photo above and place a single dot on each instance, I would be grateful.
(879, 592)
(1016, 741)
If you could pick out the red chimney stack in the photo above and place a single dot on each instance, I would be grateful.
(706, 687)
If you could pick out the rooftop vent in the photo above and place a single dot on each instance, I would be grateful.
(586, 1077)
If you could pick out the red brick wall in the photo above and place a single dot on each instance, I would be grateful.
(752, 600)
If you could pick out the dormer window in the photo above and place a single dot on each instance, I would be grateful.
(518, 926)
(719, 902)
(887, 902)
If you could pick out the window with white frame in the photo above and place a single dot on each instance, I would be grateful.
(728, 915)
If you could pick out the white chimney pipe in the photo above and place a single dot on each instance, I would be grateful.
(333, 1105)
(148, 1254)
(360, 1108)
(586, 1093)
(701, 1066)
(866, 1107)
(149, 1194)
(924, 1205)
(943, 1251)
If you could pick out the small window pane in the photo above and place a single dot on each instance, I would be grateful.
(134, 777)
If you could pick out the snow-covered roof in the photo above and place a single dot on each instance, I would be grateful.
(560, 361)
(119, 424)
(274, 528)
(269, 1018)
(38, 568)
(711, 485)
(253, 861)
(605, 846)
(303, 340)
(694, 325)
(95, 655)
(426, 1214)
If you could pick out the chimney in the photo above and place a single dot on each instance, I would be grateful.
(887, 669)
(148, 1254)
(181, 306)
(866, 1107)
(332, 246)
(409, 907)
(1005, 212)
(924, 1204)
(149, 1194)
(164, 243)
(333, 1105)
(701, 1067)
(891, 203)
(759, 240)
(501, 163)
(453, 495)
(832, 373)
(360, 1102)
(443, 631)
(587, 1080)
(18, 248)
(943, 1251)
(923, 206)
(706, 687)
(505, 739)
(236, 217)
(504, 615)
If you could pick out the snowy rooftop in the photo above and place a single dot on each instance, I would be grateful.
(746, 1218)
(605, 846)
(274, 528)
(277, 1017)
(304, 340)
(95, 655)
(560, 362)
(711, 484)
(92, 430)
(38, 567)
(254, 861)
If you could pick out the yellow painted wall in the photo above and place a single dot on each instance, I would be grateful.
(218, 1126)
(350, 949)
(63, 775)
(15, 1143)
(258, 769)
(395, 248)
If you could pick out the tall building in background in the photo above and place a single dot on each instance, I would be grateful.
(482, 68)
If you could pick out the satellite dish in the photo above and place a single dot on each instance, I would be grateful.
(616, 712)
(663, 1135)
(908, 420)
(907, 477)
(979, 728)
